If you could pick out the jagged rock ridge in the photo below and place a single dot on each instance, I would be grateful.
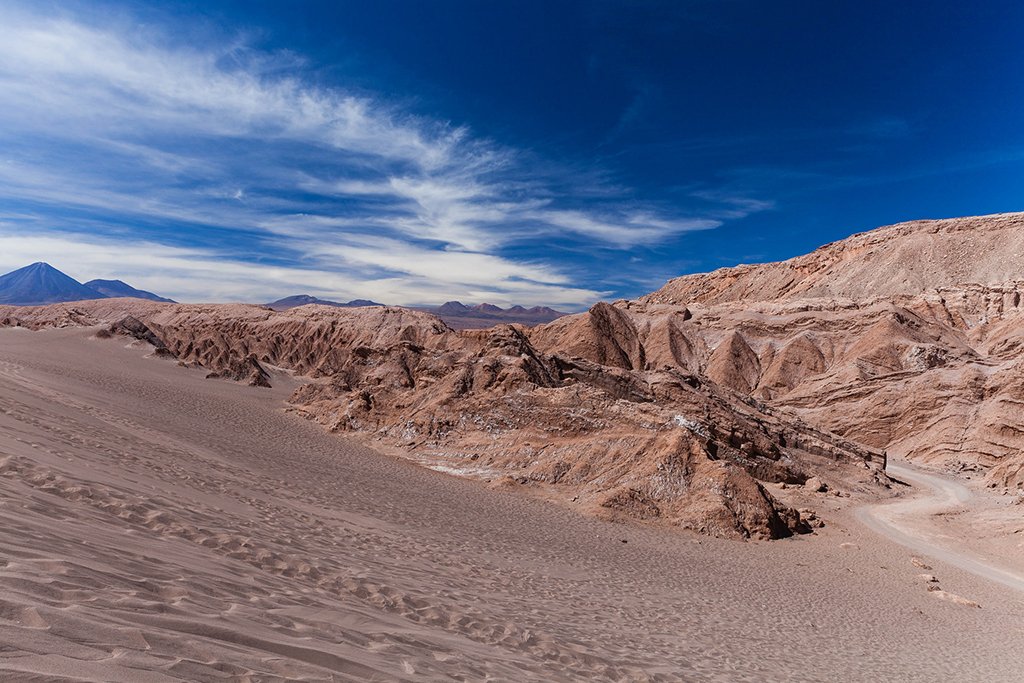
(624, 439)
(906, 338)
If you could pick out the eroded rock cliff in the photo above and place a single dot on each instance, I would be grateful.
(593, 420)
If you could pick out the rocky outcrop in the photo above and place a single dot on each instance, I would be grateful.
(907, 339)
(796, 360)
(133, 327)
(734, 364)
(594, 419)
(246, 370)
(606, 335)
(681, 405)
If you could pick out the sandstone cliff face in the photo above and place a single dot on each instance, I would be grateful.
(906, 338)
(595, 419)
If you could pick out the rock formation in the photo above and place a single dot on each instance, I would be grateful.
(678, 406)
(621, 438)
(905, 338)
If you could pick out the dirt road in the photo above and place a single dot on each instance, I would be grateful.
(913, 522)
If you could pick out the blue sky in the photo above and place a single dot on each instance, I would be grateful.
(512, 152)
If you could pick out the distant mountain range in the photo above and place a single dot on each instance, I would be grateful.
(116, 288)
(461, 316)
(40, 284)
(305, 299)
(454, 313)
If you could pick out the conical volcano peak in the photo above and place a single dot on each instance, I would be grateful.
(41, 283)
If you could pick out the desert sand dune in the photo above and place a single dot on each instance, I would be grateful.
(160, 526)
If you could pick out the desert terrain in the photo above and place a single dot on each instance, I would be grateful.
(162, 526)
(799, 471)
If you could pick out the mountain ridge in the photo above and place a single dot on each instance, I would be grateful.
(119, 288)
(296, 300)
(40, 283)
(909, 258)
(461, 316)
(455, 313)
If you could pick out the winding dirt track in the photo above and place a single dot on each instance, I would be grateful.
(911, 522)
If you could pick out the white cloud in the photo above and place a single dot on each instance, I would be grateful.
(731, 205)
(461, 267)
(200, 275)
(115, 136)
(50, 65)
(635, 228)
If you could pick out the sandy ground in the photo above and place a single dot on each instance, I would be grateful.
(944, 519)
(156, 526)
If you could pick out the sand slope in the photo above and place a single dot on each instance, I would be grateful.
(160, 526)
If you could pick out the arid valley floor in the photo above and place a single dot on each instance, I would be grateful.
(808, 470)
(161, 526)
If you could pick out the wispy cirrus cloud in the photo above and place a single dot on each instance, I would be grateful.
(196, 274)
(217, 171)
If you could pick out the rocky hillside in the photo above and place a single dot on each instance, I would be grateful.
(906, 338)
(682, 406)
(596, 422)
(912, 258)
